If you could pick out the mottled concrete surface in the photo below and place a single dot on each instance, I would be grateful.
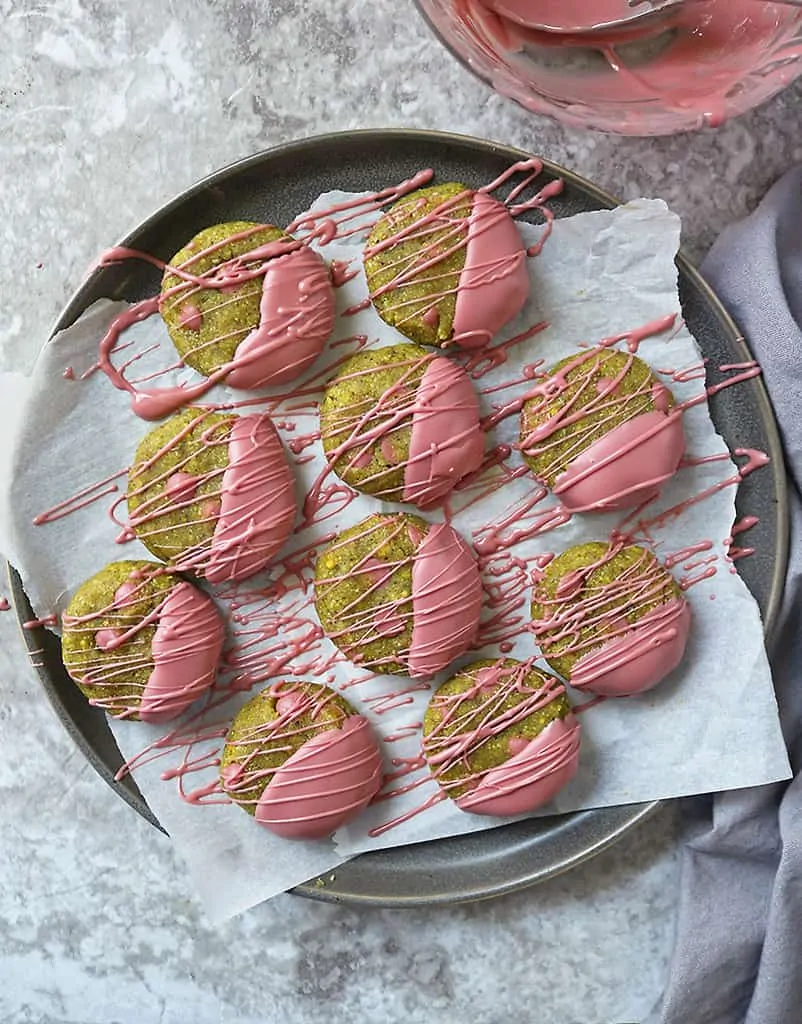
(106, 110)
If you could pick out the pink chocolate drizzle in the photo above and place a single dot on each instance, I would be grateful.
(183, 657)
(297, 312)
(628, 464)
(443, 606)
(638, 660)
(266, 642)
(446, 601)
(253, 508)
(257, 504)
(446, 441)
(617, 658)
(494, 283)
(536, 769)
(329, 779)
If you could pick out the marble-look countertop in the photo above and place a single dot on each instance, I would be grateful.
(106, 110)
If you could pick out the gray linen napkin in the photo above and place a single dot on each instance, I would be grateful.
(738, 953)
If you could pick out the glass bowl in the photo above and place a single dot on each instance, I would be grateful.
(698, 65)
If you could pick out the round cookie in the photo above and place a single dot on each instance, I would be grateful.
(601, 431)
(212, 493)
(402, 424)
(141, 642)
(447, 266)
(500, 738)
(610, 618)
(300, 760)
(264, 306)
(399, 595)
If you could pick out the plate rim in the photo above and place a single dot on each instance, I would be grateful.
(636, 813)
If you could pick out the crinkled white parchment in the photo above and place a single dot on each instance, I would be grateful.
(713, 725)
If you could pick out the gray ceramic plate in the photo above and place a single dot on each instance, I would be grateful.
(272, 187)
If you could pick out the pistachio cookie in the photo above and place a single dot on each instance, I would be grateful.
(446, 265)
(610, 618)
(399, 595)
(212, 493)
(402, 424)
(141, 642)
(601, 431)
(248, 302)
(300, 760)
(500, 738)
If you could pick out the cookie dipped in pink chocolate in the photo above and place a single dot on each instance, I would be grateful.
(500, 739)
(601, 431)
(446, 265)
(141, 642)
(610, 618)
(249, 302)
(402, 424)
(300, 760)
(212, 493)
(399, 595)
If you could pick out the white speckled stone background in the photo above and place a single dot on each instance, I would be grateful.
(108, 108)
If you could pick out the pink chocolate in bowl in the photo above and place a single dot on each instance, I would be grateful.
(697, 65)
(562, 15)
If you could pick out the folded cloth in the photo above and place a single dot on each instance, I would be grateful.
(738, 953)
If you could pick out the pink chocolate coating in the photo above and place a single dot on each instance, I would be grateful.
(258, 504)
(494, 283)
(325, 783)
(530, 778)
(641, 658)
(297, 313)
(446, 601)
(186, 649)
(447, 441)
(626, 466)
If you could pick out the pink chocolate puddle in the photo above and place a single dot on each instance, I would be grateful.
(640, 659)
(494, 283)
(532, 777)
(186, 649)
(446, 441)
(626, 466)
(297, 312)
(257, 510)
(446, 601)
(324, 784)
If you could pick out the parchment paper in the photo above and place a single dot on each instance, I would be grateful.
(713, 725)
